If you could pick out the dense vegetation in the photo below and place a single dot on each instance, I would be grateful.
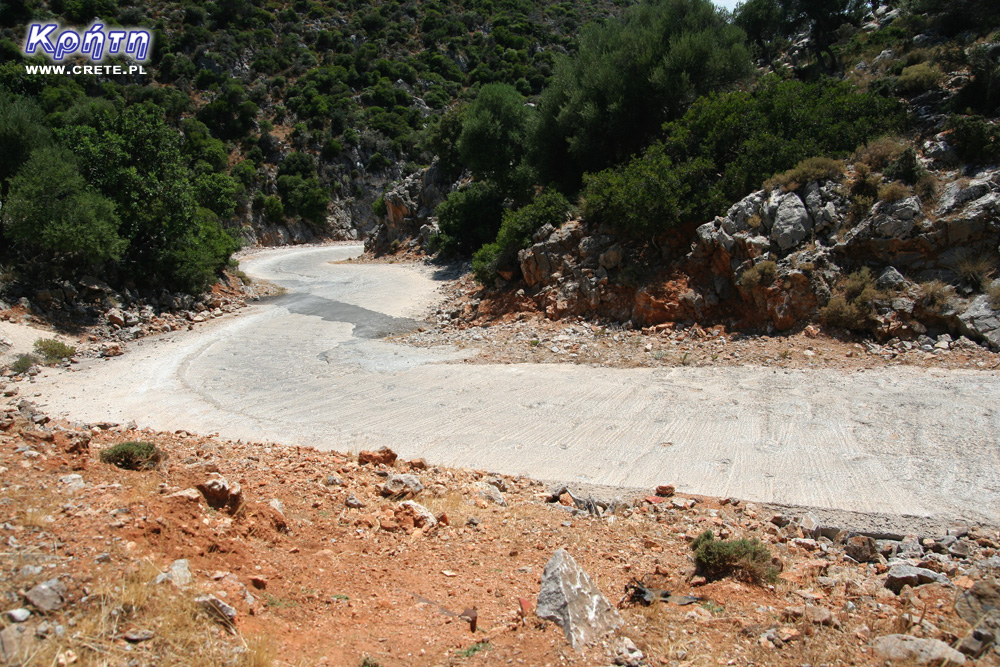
(253, 109)
(645, 115)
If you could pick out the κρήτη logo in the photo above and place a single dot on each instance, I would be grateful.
(96, 42)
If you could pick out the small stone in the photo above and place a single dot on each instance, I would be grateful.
(627, 654)
(352, 502)
(137, 636)
(862, 549)
(665, 490)
(569, 598)
(18, 615)
(180, 572)
(192, 495)
(908, 575)
(904, 648)
(260, 583)
(490, 493)
(46, 597)
(217, 609)
(277, 506)
(402, 485)
(333, 480)
(385, 456)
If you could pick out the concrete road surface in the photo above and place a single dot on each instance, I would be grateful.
(309, 368)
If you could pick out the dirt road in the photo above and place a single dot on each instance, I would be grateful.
(309, 368)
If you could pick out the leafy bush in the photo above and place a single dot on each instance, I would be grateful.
(746, 559)
(379, 208)
(493, 135)
(23, 363)
(720, 150)
(906, 167)
(761, 273)
(469, 218)
(52, 351)
(648, 195)
(975, 139)
(892, 192)
(805, 172)
(629, 76)
(516, 230)
(133, 455)
(918, 78)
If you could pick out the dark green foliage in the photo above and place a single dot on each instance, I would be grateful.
(976, 140)
(133, 455)
(53, 215)
(469, 218)
(982, 94)
(52, 351)
(22, 130)
(492, 141)
(769, 23)
(273, 210)
(745, 559)
(649, 195)
(628, 78)
(516, 230)
(217, 192)
(727, 144)
(905, 168)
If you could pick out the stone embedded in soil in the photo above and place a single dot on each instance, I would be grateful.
(352, 502)
(47, 596)
(571, 600)
(137, 636)
(385, 456)
(665, 490)
(402, 485)
(862, 549)
(220, 493)
(904, 648)
(490, 493)
(908, 575)
(217, 609)
(18, 615)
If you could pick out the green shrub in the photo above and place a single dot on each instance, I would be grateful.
(975, 139)
(23, 363)
(761, 273)
(469, 218)
(805, 172)
(906, 167)
(745, 559)
(379, 208)
(133, 455)
(917, 79)
(516, 230)
(53, 351)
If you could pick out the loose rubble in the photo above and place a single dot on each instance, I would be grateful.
(331, 573)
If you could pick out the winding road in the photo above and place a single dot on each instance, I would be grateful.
(309, 368)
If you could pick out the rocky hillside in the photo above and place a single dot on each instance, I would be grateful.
(895, 237)
(191, 550)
